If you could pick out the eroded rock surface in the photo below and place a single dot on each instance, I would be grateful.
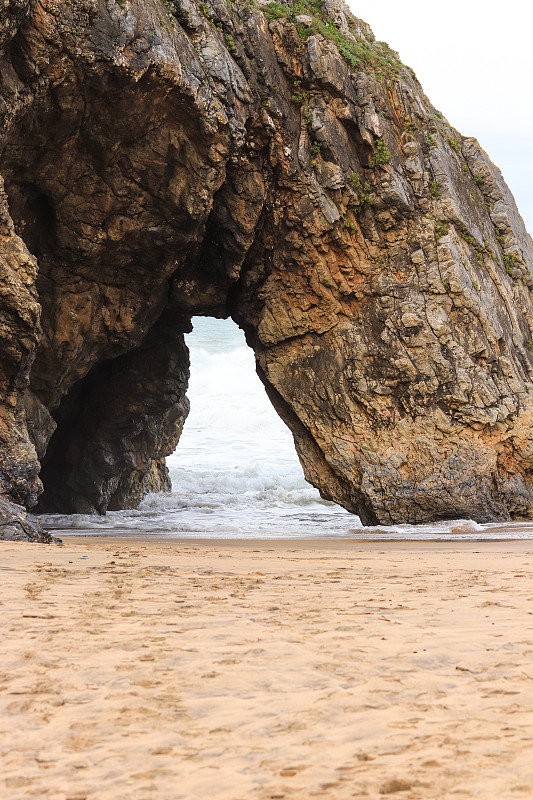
(166, 159)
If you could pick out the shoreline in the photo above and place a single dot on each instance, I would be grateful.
(337, 544)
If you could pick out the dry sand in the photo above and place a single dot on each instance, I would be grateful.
(134, 670)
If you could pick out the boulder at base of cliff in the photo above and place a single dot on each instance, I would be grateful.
(16, 525)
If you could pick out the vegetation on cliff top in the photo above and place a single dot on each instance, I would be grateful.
(358, 51)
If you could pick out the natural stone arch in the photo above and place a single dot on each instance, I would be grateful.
(374, 258)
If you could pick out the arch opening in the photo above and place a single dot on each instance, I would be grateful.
(235, 470)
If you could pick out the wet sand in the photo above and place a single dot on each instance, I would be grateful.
(236, 671)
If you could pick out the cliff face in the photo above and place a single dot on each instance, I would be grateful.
(276, 164)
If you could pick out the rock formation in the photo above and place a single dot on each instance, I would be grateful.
(273, 162)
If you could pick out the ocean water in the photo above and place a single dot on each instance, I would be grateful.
(235, 473)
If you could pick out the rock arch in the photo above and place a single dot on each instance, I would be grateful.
(160, 165)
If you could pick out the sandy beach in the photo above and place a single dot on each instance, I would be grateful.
(139, 670)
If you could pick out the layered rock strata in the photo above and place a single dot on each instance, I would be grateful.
(273, 163)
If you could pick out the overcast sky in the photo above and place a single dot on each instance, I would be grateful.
(474, 60)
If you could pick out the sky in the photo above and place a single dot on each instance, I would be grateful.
(474, 62)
